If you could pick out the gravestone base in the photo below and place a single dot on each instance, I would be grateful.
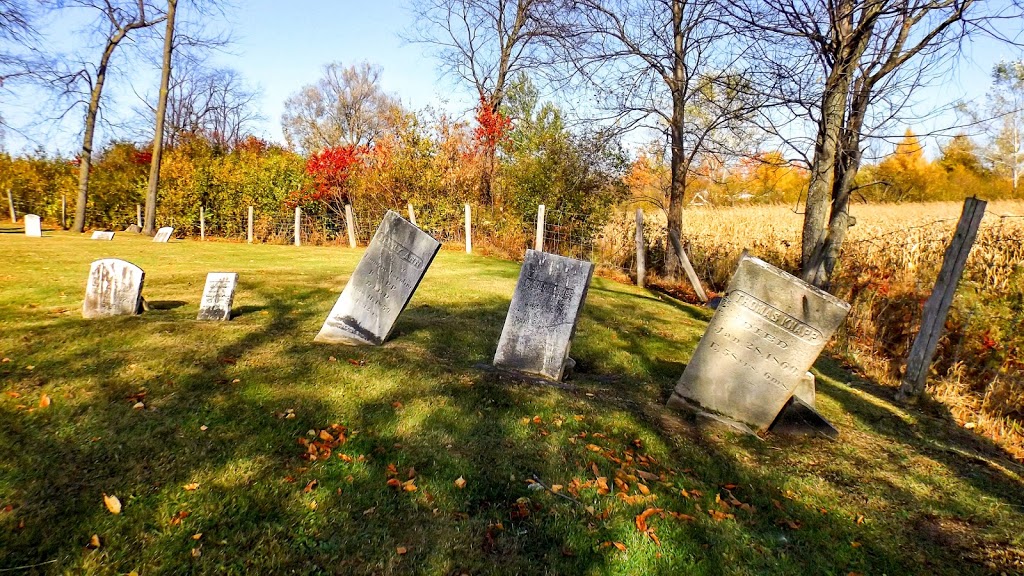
(797, 418)
(706, 419)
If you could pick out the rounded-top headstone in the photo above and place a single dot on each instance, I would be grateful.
(114, 289)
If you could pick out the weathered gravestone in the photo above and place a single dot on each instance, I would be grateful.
(753, 360)
(218, 294)
(32, 226)
(163, 234)
(542, 318)
(381, 285)
(114, 288)
(134, 228)
(99, 235)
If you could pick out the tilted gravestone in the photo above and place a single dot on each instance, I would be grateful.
(32, 226)
(218, 295)
(542, 317)
(163, 234)
(381, 285)
(99, 235)
(768, 330)
(114, 288)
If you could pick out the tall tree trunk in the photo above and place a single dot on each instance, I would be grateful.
(677, 160)
(91, 113)
(161, 110)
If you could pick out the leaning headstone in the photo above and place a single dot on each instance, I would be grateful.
(768, 330)
(163, 234)
(542, 318)
(218, 294)
(114, 288)
(100, 235)
(32, 226)
(381, 285)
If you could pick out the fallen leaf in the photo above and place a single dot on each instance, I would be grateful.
(409, 486)
(332, 359)
(860, 519)
(94, 542)
(460, 483)
(401, 550)
(394, 483)
(235, 381)
(177, 518)
(344, 457)
(196, 552)
(729, 486)
(112, 503)
(594, 448)
(12, 394)
(719, 516)
(138, 406)
(556, 488)
(392, 470)
(641, 520)
(191, 487)
(312, 505)
(855, 544)
(326, 436)
(310, 487)
(681, 516)
(647, 475)
(44, 401)
(30, 367)
(197, 535)
(5, 360)
(602, 486)
(643, 489)
(620, 546)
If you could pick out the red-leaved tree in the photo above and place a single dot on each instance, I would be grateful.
(492, 129)
(330, 170)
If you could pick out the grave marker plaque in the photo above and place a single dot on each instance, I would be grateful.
(163, 234)
(99, 235)
(768, 330)
(218, 295)
(32, 226)
(381, 285)
(542, 317)
(114, 288)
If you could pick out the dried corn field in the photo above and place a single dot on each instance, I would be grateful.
(888, 266)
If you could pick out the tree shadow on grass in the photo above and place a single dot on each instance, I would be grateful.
(415, 403)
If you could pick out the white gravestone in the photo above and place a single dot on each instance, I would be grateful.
(542, 317)
(768, 330)
(32, 226)
(381, 285)
(114, 288)
(99, 235)
(163, 234)
(218, 295)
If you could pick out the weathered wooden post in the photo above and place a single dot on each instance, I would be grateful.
(469, 230)
(138, 215)
(412, 214)
(248, 233)
(10, 203)
(936, 309)
(641, 252)
(64, 211)
(685, 261)
(351, 226)
(202, 223)
(538, 242)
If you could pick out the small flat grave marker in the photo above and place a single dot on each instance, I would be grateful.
(542, 317)
(768, 330)
(32, 226)
(218, 295)
(114, 289)
(163, 234)
(100, 235)
(381, 285)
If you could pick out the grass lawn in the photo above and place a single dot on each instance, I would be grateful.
(200, 430)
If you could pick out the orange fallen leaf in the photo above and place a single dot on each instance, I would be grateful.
(556, 488)
(647, 475)
(409, 486)
(643, 489)
(460, 483)
(620, 546)
(191, 487)
(641, 520)
(394, 483)
(196, 552)
(855, 544)
(602, 486)
(197, 535)
(719, 516)
(310, 487)
(112, 503)
(344, 457)
(12, 394)
(392, 470)
(401, 550)
(860, 519)
(681, 516)
(44, 401)
(94, 542)
(594, 448)
(326, 436)
(537, 420)
(177, 518)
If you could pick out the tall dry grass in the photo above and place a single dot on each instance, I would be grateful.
(887, 269)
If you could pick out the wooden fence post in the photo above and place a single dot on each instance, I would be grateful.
(64, 211)
(248, 233)
(641, 251)
(351, 226)
(10, 203)
(936, 309)
(138, 215)
(412, 215)
(298, 226)
(538, 242)
(685, 261)
(469, 230)
(202, 223)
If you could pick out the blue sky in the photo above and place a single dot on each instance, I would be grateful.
(281, 46)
